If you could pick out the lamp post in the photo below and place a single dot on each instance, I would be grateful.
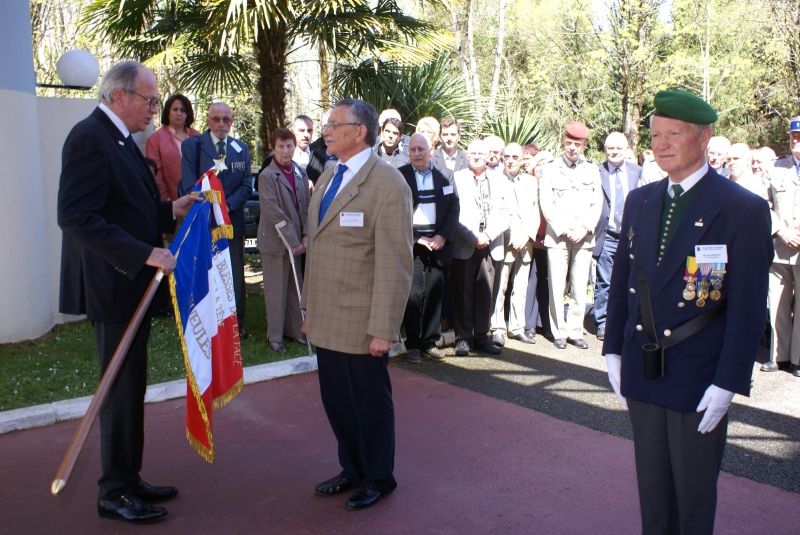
(78, 69)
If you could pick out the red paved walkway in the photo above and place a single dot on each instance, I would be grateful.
(465, 464)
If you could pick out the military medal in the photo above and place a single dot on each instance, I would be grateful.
(630, 238)
(701, 302)
(703, 284)
(717, 275)
(690, 274)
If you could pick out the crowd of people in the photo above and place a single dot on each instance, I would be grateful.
(537, 227)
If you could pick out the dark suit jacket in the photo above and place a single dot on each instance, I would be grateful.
(721, 212)
(447, 208)
(438, 160)
(237, 181)
(112, 217)
(632, 172)
(316, 162)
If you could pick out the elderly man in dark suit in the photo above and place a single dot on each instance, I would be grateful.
(618, 178)
(685, 316)
(436, 210)
(358, 275)
(112, 218)
(199, 154)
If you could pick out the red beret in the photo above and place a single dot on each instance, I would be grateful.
(577, 130)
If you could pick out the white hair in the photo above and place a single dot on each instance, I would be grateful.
(124, 75)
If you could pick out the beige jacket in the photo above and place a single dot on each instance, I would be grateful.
(358, 278)
(570, 198)
(784, 197)
(277, 204)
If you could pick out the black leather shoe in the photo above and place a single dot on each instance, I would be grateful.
(601, 333)
(363, 497)
(560, 343)
(150, 494)
(579, 343)
(498, 339)
(769, 366)
(795, 370)
(131, 509)
(333, 486)
(413, 356)
(242, 333)
(524, 338)
(462, 348)
(489, 347)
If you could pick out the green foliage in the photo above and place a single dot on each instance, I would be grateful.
(514, 126)
(432, 89)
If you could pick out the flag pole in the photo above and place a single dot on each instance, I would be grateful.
(278, 227)
(68, 464)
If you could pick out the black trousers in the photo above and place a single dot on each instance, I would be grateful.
(236, 247)
(122, 413)
(424, 307)
(472, 296)
(677, 468)
(357, 396)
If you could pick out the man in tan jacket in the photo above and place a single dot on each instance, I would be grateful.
(571, 197)
(358, 276)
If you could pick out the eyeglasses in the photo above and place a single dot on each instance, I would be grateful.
(333, 126)
(226, 120)
(151, 102)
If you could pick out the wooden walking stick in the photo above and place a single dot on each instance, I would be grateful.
(67, 465)
(278, 227)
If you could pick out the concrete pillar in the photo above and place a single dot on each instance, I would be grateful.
(25, 309)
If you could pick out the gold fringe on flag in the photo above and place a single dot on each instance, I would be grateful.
(222, 400)
(207, 454)
(222, 231)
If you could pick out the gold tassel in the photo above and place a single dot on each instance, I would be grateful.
(208, 455)
(222, 231)
(222, 400)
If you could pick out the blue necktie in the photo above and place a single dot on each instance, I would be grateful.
(619, 200)
(330, 193)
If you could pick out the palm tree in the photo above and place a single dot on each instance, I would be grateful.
(209, 41)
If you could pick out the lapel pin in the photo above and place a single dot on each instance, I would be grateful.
(121, 144)
(699, 222)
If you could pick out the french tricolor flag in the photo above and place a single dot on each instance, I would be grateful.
(205, 311)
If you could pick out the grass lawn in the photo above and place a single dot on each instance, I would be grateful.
(62, 364)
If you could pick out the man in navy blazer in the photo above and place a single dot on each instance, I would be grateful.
(679, 415)
(237, 183)
(112, 217)
(436, 210)
(618, 178)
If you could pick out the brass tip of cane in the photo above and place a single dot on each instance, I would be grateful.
(57, 486)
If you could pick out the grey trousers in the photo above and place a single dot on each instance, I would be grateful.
(280, 297)
(517, 272)
(677, 468)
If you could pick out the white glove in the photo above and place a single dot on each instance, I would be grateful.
(614, 363)
(716, 402)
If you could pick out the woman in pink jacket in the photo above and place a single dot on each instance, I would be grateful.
(164, 146)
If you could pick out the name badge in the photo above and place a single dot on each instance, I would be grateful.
(236, 146)
(447, 190)
(351, 219)
(711, 254)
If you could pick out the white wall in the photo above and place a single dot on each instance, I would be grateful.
(57, 116)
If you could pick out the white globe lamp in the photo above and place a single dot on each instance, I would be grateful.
(78, 69)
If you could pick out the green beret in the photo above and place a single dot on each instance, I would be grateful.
(684, 107)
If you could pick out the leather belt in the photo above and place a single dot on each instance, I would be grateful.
(653, 353)
(614, 235)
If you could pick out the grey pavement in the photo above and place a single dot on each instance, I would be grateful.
(572, 385)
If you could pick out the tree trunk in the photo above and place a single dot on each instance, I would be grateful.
(476, 85)
(324, 78)
(271, 46)
(459, 39)
(498, 55)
